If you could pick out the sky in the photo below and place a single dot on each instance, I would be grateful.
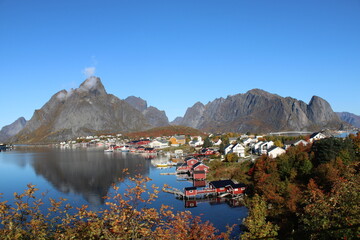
(174, 53)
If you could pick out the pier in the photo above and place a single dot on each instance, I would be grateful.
(174, 191)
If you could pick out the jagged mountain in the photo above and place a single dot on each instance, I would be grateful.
(154, 116)
(260, 111)
(350, 118)
(11, 130)
(86, 110)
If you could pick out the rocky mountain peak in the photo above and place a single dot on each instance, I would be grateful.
(260, 92)
(138, 103)
(93, 85)
(12, 129)
(261, 111)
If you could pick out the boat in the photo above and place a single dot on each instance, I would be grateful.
(161, 165)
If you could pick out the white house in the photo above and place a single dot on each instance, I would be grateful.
(248, 141)
(256, 146)
(263, 149)
(317, 136)
(228, 148)
(288, 144)
(217, 143)
(159, 144)
(196, 142)
(275, 151)
(303, 142)
(239, 149)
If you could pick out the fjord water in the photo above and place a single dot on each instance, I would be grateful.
(84, 176)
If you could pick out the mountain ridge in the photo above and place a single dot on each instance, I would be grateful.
(12, 129)
(350, 118)
(260, 111)
(86, 110)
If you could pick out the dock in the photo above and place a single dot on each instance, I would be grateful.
(174, 191)
(170, 173)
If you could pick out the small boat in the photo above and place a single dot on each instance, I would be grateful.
(161, 165)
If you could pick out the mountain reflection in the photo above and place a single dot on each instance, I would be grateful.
(89, 173)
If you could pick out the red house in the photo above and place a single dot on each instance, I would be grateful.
(199, 183)
(237, 188)
(191, 162)
(199, 166)
(190, 191)
(199, 175)
(182, 168)
(227, 186)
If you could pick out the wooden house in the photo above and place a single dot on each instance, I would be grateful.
(190, 191)
(178, 140)
(199, 175)
(227, 186)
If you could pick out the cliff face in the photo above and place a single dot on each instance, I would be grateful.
(11, 130)
(154, 116)
(260, 111)
(83, 111)
(350, 118)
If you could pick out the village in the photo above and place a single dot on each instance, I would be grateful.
(190, 155)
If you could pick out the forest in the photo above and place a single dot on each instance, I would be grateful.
(311, 192)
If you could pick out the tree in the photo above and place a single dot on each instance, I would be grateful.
(231, 157)
(207, 143)
(256, 224)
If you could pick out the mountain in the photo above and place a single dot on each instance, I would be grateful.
(259, 111)
(11, 130)
(154, 116)
(86, 110)
(350, 118)
(177, 121)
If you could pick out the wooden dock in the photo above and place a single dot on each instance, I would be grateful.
(174, 191)
(170, 173)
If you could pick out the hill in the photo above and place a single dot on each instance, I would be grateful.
(166, 131)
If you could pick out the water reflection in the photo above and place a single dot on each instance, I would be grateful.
(88, 173)
(191, 203)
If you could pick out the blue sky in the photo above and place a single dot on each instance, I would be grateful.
(173, 53)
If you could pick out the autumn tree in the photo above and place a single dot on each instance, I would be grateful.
(256, 225)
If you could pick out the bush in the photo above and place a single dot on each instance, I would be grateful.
(123, 219)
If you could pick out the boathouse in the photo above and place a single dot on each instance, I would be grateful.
(191, 162)
(227, 186)
(190, 191)
(199, 166)
(199, 175)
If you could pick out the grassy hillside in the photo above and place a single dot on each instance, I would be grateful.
(166, 131)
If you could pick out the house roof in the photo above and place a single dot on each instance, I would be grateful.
(198, 163)
(191, 159)
(221, 183)
(180, 137)
(314, 134)
(272, 148)
(238, 185)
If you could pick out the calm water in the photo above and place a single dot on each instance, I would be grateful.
(84, 176)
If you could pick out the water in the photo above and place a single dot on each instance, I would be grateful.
(84, 176)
